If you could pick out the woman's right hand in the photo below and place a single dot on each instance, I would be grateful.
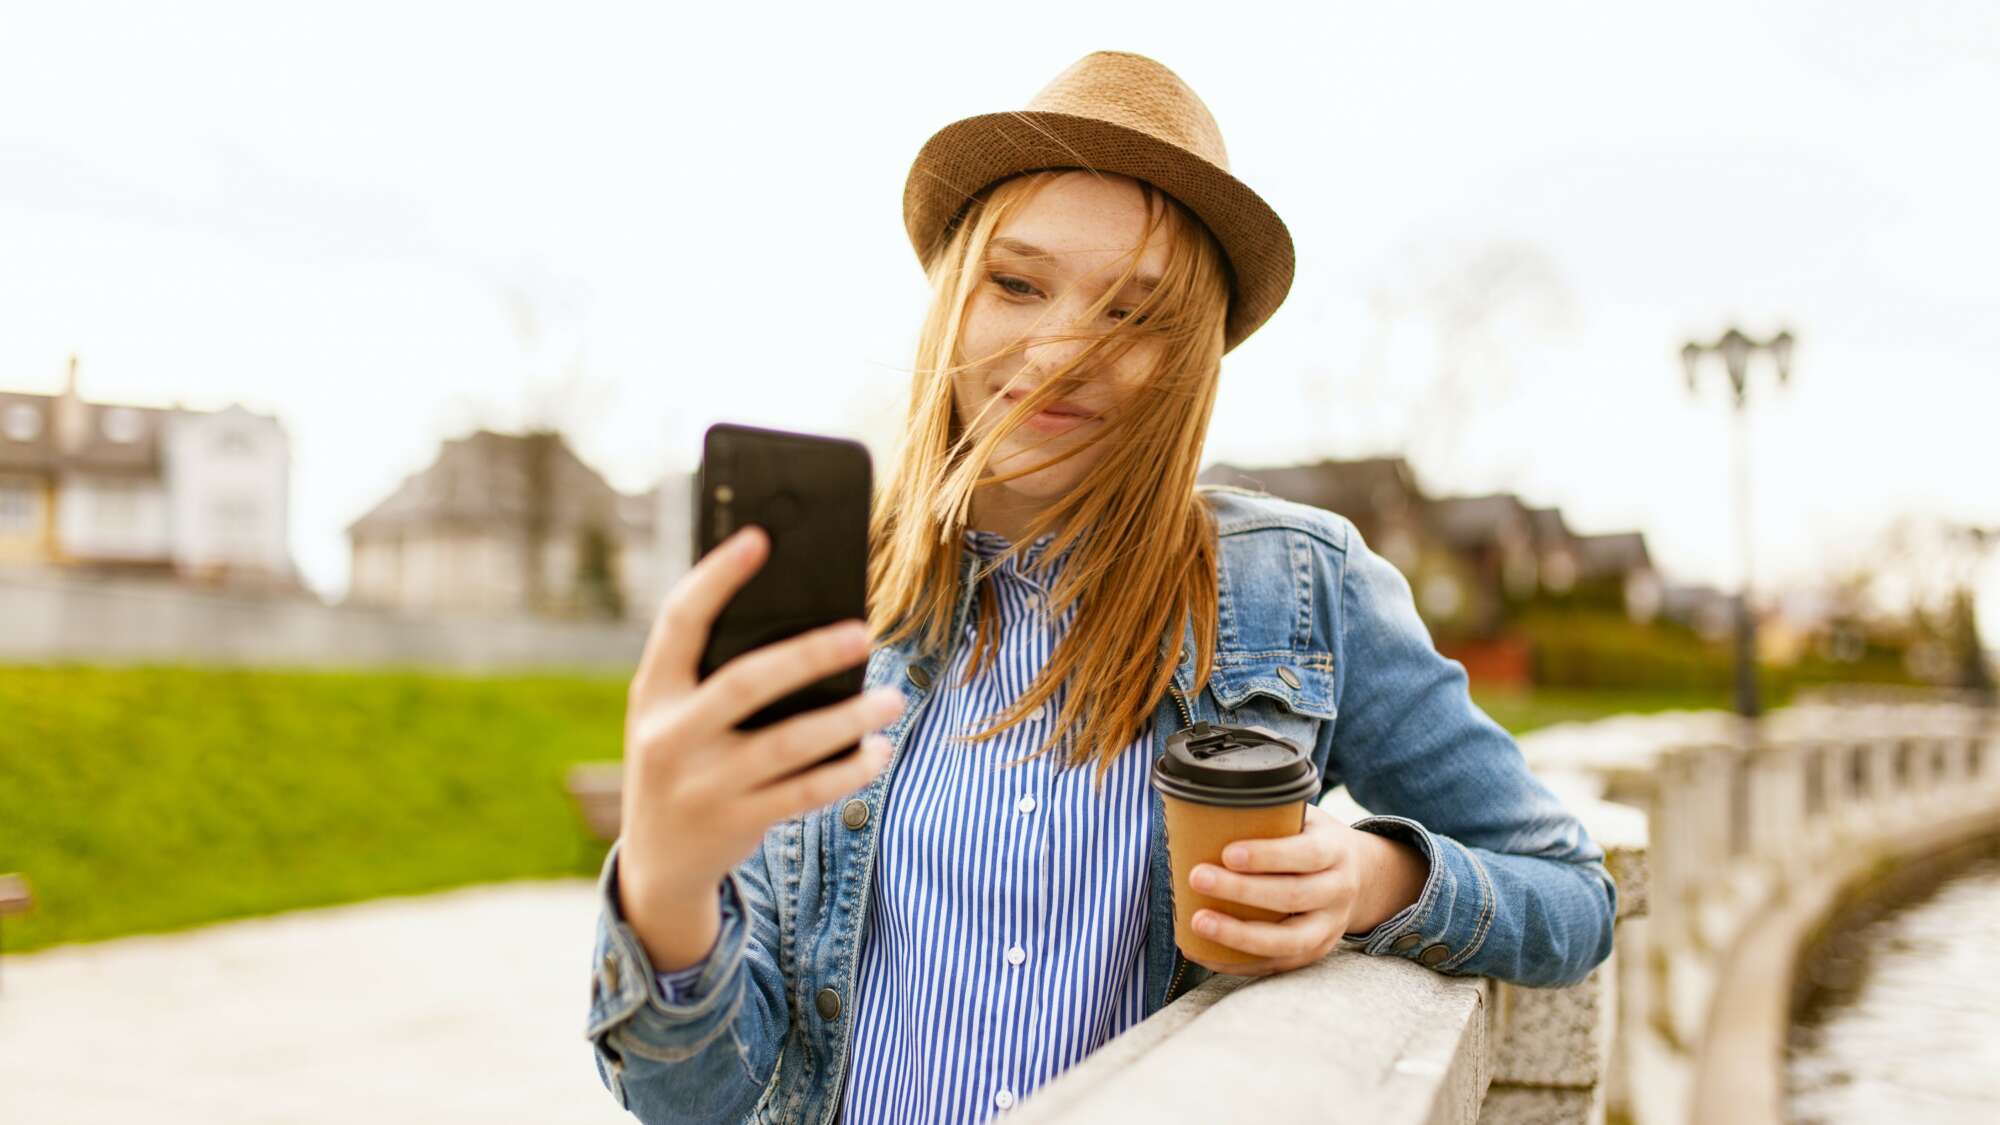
(698, 794)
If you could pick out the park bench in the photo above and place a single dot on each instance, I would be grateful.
(595, 787)
(15, 898)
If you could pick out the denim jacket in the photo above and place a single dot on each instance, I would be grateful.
(1318, 640)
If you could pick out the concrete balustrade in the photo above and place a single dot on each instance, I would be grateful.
(1729, 846)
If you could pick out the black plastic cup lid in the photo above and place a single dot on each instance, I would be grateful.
(1237, 767)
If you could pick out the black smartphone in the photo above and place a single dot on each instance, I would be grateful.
(811, 495)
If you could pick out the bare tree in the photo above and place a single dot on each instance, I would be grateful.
(551, 401)
(1480, 308)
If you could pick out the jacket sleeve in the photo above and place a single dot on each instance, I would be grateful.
(1517, 888)
(704, 1051)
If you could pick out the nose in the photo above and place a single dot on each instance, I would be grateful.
(1056, 343)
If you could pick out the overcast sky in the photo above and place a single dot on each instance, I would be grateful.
(388, 223)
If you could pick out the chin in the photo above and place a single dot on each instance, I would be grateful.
(1040, 488)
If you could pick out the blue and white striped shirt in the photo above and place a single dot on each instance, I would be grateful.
(1008, 917)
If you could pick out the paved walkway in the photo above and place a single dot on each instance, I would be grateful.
(465, 1006)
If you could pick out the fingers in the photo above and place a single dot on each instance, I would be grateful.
(801, 740)
(749, 681)
(1293, 941)
(680, 630)
(1317, 847)
(1248, 967)
(821, 785)
(1287, 894)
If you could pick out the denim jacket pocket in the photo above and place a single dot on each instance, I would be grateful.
(1288, 694)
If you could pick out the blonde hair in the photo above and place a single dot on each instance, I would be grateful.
(1144, 558)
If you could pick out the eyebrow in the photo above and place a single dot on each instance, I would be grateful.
(1030, 250)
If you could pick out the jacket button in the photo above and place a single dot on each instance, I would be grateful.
(1432, 954)
(828, 1003)
(1406, 943)
(1290, 677)
(919, 675)
(854, 814)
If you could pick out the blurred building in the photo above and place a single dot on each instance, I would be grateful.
(509, 523)
(1495, 534)
(101, 487)
(674, 540)
(1556, 561)
(1468, 558)
(1703, 608)
(1378, 494)
(1620, 562)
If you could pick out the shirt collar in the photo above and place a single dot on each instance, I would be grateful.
(989, 545)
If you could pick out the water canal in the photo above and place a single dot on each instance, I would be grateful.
(1899, 1015)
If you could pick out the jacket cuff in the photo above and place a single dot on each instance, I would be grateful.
(1450, 918)
(628, 998)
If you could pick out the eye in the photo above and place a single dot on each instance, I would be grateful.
(1008, 283)
(1121, 314)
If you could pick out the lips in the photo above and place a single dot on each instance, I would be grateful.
(1059, 409)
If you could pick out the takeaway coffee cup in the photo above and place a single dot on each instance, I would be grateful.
(1219, 784)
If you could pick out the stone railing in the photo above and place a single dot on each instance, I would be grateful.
(1377, 1039)
(1747, 833)
(1756, 833)
(1728, 841)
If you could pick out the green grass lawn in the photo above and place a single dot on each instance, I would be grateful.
(143, 799)
(139, 799)
(1522, 711)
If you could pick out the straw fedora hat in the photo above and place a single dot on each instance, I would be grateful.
(1113, 112)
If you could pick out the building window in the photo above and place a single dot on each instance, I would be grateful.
(21, 422)
(123, 425)
(237, 514)
(20, 508)
(116, 505)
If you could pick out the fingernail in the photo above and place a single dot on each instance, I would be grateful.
(1204, 923)
(745, 538)
(1235, 856)
(886, 699)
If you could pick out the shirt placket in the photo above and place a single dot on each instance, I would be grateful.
(1024, 949)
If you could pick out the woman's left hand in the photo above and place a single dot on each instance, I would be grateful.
(1331, 879)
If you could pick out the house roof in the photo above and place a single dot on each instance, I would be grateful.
(1474, 521)
(1360, 488)
(1549, 528)
(1620, 552)
(487, 479)
(71, 434)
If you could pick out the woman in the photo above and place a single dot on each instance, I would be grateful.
(934, 928)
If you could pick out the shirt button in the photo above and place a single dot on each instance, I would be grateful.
(1027, 803)
(1016, 955)
(1003, 1098)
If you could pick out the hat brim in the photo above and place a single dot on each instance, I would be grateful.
(967, 155)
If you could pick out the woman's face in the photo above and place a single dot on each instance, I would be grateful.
(1046, 264)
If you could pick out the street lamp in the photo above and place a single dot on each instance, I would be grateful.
(1736, 350)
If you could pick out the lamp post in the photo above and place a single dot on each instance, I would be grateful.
(1735, 348)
